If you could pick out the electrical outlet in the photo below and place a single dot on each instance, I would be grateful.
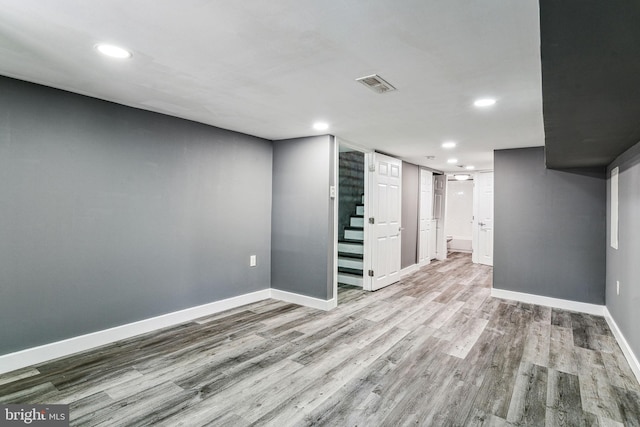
(617, 287)
(252, 261)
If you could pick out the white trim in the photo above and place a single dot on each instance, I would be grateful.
(336, 224)
(624, 345)
(564, 304)
(307, 301)
(408, 270)
(35, 355)
(43, 353)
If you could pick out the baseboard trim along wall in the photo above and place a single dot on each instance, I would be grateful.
(564, 304)
(598, 310)
(312, 302)
(32, 356)
(624, 345)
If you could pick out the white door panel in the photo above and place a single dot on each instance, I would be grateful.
(426, 213)
(385, 209)
(484, 218)
(439, 215)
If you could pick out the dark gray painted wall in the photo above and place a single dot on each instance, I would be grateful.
(302, 216)
(410, 197)
(549, 228)
(109, 215)
(623, 263)
(351, 188)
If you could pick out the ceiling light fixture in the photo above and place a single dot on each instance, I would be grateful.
(113, 51)
(452, 161)
(470, 167)
(462, 176)
(484, 102)
(448, 144)
(321, 126)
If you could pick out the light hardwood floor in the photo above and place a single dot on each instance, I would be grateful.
(434, 349)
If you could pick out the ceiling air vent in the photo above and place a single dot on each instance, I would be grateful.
(376, 83)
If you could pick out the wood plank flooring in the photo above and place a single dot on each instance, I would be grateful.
(434, 349)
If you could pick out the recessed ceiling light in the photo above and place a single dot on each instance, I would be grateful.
(470, 167)
(448, 144)
(484, 102)
(452, 161)
(113, 51)
(321, 126)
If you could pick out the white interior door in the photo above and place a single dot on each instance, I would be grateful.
(483, 218)
(384, 221)
(439, 214)
(426, 214)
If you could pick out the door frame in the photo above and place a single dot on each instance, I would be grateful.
(336, 225)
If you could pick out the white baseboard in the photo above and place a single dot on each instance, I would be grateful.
(564, 304)
(32, 356)
(307, 301)
(408, 270)
(624, 345)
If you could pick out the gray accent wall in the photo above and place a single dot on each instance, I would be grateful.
(110, 215)
(302, 217)
(623, 264)
(549, 228)
(410, 199)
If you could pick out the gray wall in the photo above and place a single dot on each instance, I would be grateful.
(549, 228)
(109, 215)
(410, 198)
(302, 216)
(623, 264)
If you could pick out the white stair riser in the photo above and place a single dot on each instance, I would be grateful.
(359, 210)
(363, 199)
(350, 280)
(355, 264)
(354, 234)
(351, 248)
(357, 222)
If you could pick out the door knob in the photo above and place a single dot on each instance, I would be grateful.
(481, 224)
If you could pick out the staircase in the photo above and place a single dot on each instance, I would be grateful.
(351, 250)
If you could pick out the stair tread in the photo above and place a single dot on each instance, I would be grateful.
(351, 241)
(357, 216)
(350, 255)
(354, 228)
(350, 271)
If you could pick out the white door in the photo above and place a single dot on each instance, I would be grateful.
(426, 213)
(384, 221)
(483, 218)
(439, 214)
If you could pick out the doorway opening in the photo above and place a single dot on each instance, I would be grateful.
(459, 216)
(468, 217)
(351, 211)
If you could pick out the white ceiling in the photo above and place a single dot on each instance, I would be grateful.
(272, 68)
